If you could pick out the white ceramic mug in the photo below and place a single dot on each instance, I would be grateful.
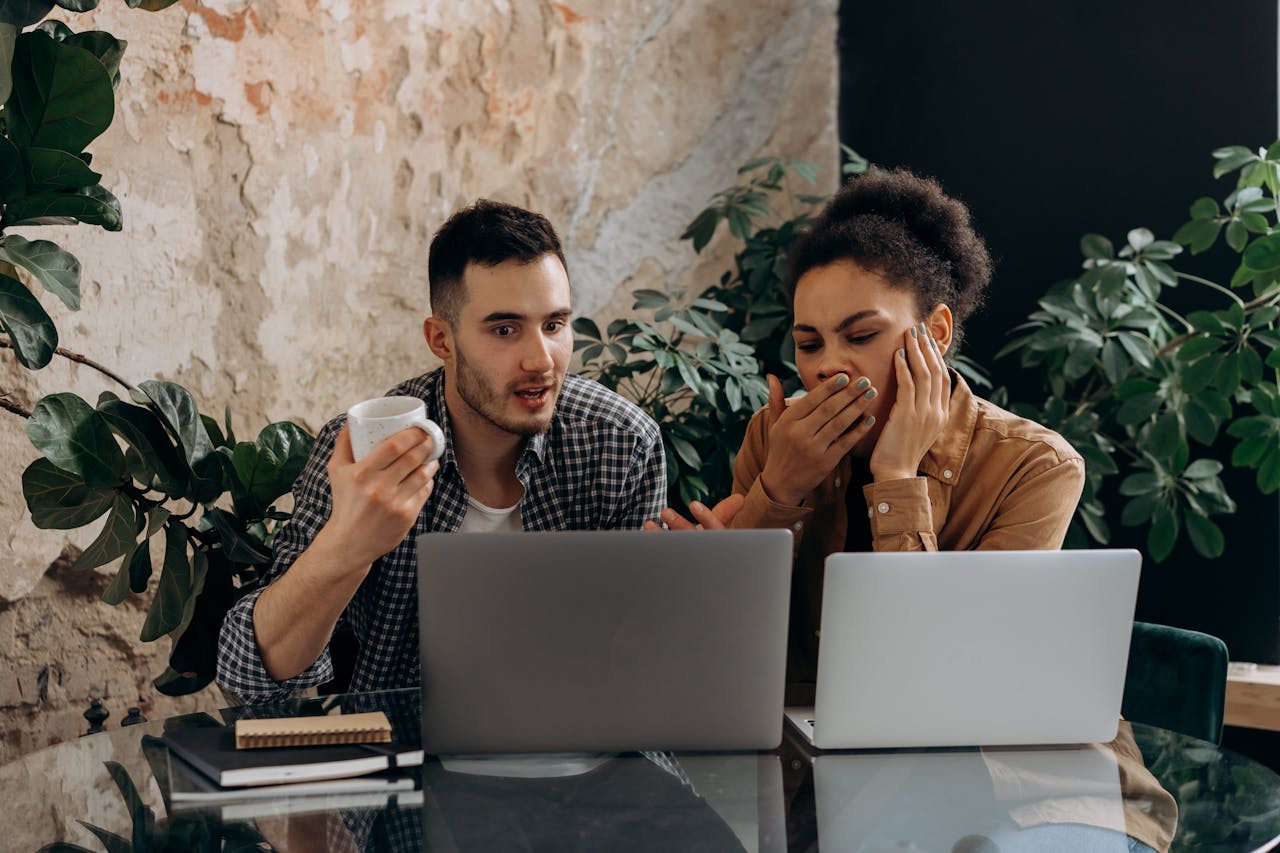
(376, 419)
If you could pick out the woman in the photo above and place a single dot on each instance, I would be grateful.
(889, 449)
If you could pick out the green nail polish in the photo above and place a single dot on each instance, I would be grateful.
(841, 380)
(922, 326)
(915, 333)
(871, 392)
(869, 420)
(864, 382)
(902, 353)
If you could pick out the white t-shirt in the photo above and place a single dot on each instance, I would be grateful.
(486, 519)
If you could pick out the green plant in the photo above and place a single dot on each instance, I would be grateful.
(151, 462)
(57, 87)
(1142, 390)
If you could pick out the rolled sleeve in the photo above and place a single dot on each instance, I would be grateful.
(240, 667)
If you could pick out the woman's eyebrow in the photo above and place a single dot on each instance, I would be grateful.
(841, 326)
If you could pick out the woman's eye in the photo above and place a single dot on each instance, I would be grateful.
(808, 347)
(860, 339)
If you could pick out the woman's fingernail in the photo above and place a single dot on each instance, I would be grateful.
(864, 382)
(922, 327)
(902, 353)
(841, 380)
(697, 506)
(869, 420)
(871, 392)
(915, 332)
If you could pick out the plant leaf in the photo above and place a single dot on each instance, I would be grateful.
(144, 432)
(29, 327)
(115, 540)
(62, 96)
(59, 500)
(165, 613)
(76, 438)
(1206, 537)
(93, 206)
(56, 269)
(51, 170)
(23, 13)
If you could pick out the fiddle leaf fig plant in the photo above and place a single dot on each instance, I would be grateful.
(147, 465)
(1144, 391)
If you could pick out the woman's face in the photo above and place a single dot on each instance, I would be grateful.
(851, 321)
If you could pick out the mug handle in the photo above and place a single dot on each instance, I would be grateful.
(432, 429)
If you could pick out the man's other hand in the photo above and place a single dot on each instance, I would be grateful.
(708, 518)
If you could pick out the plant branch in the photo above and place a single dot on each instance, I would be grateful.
(1213, 284)
(10, 406)
(5, 343)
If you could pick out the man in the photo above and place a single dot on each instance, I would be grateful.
(526, 447)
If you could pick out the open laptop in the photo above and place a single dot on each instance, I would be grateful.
(972, 648)
(603, 641)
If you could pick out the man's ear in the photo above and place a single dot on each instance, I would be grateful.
(439, 335)
(939, 323)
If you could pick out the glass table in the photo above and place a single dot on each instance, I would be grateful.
(111, 792)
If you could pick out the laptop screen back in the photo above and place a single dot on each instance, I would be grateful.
(609, 641)
(973, 648)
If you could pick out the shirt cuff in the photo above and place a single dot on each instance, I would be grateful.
(899, 507)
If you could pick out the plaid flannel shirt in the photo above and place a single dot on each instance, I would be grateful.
(600, 466)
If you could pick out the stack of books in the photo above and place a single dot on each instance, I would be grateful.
(286, 765)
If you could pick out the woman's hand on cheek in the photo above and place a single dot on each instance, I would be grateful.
(919, 412)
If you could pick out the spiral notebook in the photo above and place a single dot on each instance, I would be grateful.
(372, 727)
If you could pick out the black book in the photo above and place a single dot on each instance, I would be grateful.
(212, 751)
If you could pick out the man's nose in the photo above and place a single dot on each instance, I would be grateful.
(537, 357)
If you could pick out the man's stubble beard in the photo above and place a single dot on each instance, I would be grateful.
(489, 403)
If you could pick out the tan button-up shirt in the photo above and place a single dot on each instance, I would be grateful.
(991, 480)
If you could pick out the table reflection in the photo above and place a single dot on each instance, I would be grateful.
(110, 792)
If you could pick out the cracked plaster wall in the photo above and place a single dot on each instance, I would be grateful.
(282, 165)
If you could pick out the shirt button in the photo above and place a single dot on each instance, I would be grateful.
(870, 512)
(947, 474)
(883, 507)
(837, 482)
(798, 526)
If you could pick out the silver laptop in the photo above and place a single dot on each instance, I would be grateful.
(603, 641)
(972, 648)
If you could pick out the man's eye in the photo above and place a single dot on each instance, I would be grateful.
(555, 326)
(504, 331)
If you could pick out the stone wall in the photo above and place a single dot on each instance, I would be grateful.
(282, 165)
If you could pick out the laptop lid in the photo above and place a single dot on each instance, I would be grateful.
(974, 648)
(603, 640)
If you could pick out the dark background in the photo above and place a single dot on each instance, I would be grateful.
(1059, 119)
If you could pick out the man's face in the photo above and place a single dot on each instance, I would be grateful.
(512, 343)
(851, 321)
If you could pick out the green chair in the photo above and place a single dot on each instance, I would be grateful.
(1177, 679)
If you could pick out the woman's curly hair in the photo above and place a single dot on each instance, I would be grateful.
(906, 229)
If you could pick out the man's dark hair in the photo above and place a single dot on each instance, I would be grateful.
(905, 228)
(486, 233)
